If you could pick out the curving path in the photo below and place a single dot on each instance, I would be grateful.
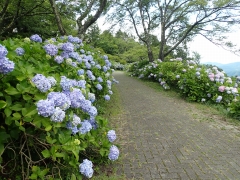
(162, 140)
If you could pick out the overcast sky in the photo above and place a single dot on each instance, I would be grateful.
(211, 53)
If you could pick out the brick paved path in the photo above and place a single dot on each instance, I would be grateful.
(163, 141)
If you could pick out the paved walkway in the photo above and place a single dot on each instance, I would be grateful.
(164, 141)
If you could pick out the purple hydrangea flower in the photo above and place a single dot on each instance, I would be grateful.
(114, 153)
(3, 51)
(86, 169)
(51, 49)
(111, 135)
(59, 59)
(76, 120)
(80, 72)
(105, 68)
(91, 97)
(219, 98)
(98, 66)
(92, 111)
(77, 98)
(100, 79)
(66, 83)
(88, 66)
(45, 108)
(82, 51)
(6, 66)
(58, 115)
(52, 80)
(68, 47)
(41, 82)
(107, 97)
(60, 100)
(74, 39)
(20, 51)
(81, 84)
(99, 86)
(36, 38)
(85, 127)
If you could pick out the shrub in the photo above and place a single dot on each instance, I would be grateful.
(50, 127)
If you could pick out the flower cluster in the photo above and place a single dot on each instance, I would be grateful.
(6, 66)
(42, 83)
(20, 51)
(85, 168)
(111, 135)
(36, 38)
(114, 153)
(51, 49)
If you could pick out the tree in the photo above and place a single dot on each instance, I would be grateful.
(27, 17)
(89, 12)
(178, 21)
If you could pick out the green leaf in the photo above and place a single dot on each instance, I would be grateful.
(43, 173)
(1, 94)
(12, 91)
(76, 154)
(73, 177)
(21, 78)
(7, 112)
(60, 154)
(3, 104)
(26, 97)
(33, 176)
(8, 100)
(35, 168)
(48, 128)
(16, 107)
(22, 128)
(46, 153)
(16, 116)
(31, 111)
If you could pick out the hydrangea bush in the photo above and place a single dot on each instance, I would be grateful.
(49, 99)
(194, 82)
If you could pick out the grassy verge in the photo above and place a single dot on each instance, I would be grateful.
(110, 110)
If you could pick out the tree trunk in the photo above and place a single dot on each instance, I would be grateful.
(58, 18)
(83, 28)
(163, 42)
(150, 53)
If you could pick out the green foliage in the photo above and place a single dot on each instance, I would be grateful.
(194, 82)
(35, 146)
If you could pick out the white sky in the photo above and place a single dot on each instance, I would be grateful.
(211, 53)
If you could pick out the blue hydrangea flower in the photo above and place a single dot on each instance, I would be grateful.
(80, 72)
(58, 115)
(20, 51)
(105, 68)
(105, 57)
(91, 97)
(98, 66)
(74, 39)
(68, 47)
(6, 66)
(66, 83)
(3, 51)
(70, 126)
(81, 84)
(77, 98)
(74, 55)
(51, 49)
(111, 135)
(45, 108)
(92, 111)
(41, 82)
(88, 66)
(76, 120)
(59, 59)
(93, 122)
(86, 169)
(82, 51)
(114, 153)
(52, 80)
(107, 97)
(60, 100)
(36, 38)
(85, 127)
(110, 92)
(99, 86)
(219, 98)
(100, 79)
(65, 54)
